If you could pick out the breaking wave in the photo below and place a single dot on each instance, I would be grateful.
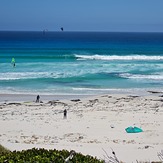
(119, 57)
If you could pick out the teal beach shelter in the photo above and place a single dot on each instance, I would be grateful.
(133, 129)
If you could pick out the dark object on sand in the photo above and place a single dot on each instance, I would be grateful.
(75, 100)
(154, 92)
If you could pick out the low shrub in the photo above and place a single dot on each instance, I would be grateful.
(3, 150)
(46, 156)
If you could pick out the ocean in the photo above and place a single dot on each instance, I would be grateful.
(80, 63)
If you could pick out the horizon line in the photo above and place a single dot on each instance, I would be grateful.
(82, 31)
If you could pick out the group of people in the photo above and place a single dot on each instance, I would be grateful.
(38, 97)
(64, 112)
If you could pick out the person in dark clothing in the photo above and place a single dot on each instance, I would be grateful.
(38, 98)
(65, 113)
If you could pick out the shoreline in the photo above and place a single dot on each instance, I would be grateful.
(32, 97)
(93, 124)
(21, 97)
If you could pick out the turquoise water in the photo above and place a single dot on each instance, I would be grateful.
(80, 62)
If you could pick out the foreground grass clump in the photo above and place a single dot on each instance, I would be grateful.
(3, 150)
(46, 156)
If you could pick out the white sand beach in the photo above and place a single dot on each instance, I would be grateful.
(93, 125)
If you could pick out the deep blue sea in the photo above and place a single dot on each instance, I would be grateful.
(84, 63)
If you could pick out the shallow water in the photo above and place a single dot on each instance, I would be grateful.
(85, 63)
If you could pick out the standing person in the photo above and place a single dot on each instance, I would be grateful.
(38, 98)
(13, 62)
(65, 114)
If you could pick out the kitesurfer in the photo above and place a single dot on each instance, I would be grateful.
(13, 62)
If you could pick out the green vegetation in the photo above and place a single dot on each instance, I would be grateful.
(54, 156)
(46, 156)
(3, 150)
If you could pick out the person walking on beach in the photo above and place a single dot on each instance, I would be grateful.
(65, 114)
(38, 98)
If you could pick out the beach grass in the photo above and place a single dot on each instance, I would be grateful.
(3, 150)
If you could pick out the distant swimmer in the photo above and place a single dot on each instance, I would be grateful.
(61, 28)
(13, 62)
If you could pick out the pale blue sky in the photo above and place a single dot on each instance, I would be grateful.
(82, 15)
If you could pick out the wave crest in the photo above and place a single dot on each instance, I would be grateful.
(141, 76)
(117, 57)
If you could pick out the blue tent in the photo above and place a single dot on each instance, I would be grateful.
(133, 130)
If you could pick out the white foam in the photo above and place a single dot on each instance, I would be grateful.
(139, 76)
(135, 91)
(22, 75)
(116, 57)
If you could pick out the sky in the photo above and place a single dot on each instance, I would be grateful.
(82, 15)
